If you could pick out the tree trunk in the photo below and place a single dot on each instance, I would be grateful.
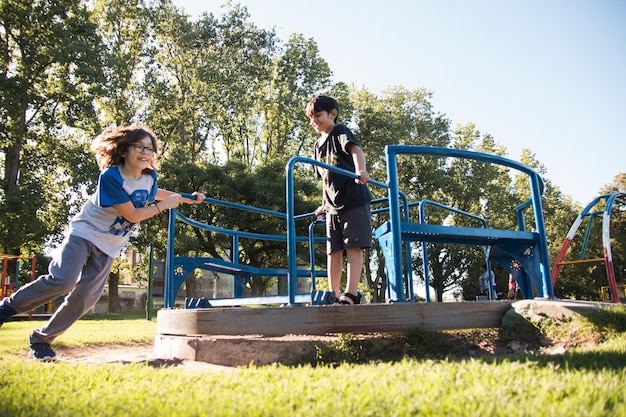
(13, 152)
(257, 287)
(114, 299)
(190, 286)
(283, 285)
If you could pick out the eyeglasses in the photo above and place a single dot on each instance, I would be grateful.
(141, 148)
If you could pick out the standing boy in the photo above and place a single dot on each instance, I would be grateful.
(346, 201)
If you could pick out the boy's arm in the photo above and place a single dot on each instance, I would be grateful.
(163, 194)
(165, 200)
(360, 166)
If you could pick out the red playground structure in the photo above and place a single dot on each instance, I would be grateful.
(9, 286)
(592, 211)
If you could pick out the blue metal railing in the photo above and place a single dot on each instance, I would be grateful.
(172, 285)
(291, 216)
(422, 219)
(536, 187)
(398, 208)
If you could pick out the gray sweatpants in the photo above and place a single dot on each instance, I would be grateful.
(81, 271)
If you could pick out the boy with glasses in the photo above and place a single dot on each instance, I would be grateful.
(126, 194)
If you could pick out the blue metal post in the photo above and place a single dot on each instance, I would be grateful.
(424, 255)
(312, 253)
(169, 295)
(238, 282)
(292, 272)
(544, 265)
(535, 185)
(396, 282)
(408, 249)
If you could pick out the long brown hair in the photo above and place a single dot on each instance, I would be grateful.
(112, 144)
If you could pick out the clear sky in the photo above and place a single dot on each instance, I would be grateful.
(547, 75)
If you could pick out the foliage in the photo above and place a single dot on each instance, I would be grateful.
(123, 27)
(226, 100)
(49, 76)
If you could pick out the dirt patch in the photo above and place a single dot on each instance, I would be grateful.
(126, 354)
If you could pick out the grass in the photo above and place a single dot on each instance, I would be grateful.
(94, 329)
(417, 373)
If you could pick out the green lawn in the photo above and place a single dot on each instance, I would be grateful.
(581, 382)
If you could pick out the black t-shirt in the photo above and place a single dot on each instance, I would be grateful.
(340, 191)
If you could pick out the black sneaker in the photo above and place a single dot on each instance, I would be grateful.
(42, 352)
(5, 314)
(349, 299)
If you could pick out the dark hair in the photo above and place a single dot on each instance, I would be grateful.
(111, 145)
(321, 103)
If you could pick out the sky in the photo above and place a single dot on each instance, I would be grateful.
(544, 75)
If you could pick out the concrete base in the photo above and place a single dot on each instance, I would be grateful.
(242, 336)
(238, 350)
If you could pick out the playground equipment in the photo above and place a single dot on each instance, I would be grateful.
(8, 287)
(605, 290)
(178, 268)
(382, 233)
(523, 253)
(590, 213)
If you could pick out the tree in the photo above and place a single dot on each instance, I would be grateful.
(237, 65)
(123, 27)
(49, 73)
(178, 104)
(299, 72)
(211, 91)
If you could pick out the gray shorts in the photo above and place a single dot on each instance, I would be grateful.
(349, 229)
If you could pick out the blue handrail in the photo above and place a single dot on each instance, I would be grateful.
(422, 219)
(291, 216)
(174, 215)
(536, 186)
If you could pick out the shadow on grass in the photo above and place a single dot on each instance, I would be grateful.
(576, 360)
(163, 363)
(123, 315)
(517, 341)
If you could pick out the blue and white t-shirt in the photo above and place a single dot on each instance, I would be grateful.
(99, 222)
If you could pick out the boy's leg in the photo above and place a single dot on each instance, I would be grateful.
(334, 251)
(335, 265)
(62, 276)
(83, 297)
(354, 267)
(357, 235)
